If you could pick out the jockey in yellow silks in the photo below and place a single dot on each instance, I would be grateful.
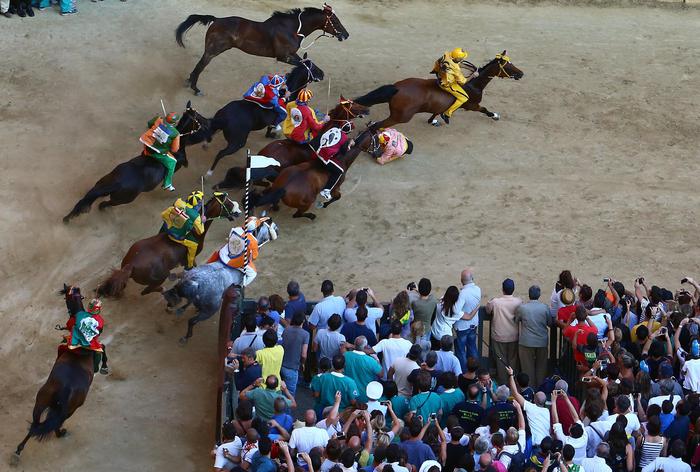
(451, 79)
(183, 224)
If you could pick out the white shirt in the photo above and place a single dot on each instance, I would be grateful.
(601, 426)
(403, 366)
(469, 298)
(598, 319)
(660, 399)
(691, 371)
(325, 308)
(667, 464)
(633, 423)
(579, 444)
(393, 348)
(400, 468)
(234, 448)
(540, 421)
(331, 429)
(513, 448)
(443, 322)
(484, 432)
(373, 314)
(306, 438)
(373, 405)
(595, 464)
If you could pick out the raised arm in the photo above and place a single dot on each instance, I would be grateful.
(368, 423)
(521, 417)
(553, 408)
(286, 393)
(514, 388)
(332, 417)
(443, 442)
(572, 409)
(613, 292)
(395, 423)
(284, 447)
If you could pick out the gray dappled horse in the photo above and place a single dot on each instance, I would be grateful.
(204, 285)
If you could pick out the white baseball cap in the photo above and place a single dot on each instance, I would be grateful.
(425, 467)
(374, 390)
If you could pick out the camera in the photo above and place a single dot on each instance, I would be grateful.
(433, 416)
(606, 280)
(586, 380)
(663, 330)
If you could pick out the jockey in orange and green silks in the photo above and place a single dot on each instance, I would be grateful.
(161, 141)
(451, 79)
(184, 224)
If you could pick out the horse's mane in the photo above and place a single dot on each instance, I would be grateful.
(486, 65)
(294, 12)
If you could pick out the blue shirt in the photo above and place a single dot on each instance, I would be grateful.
(417, 452)
(448, 362)
(272, 314)
(353, 330)
(678, 429)
(666, 419)
(262, 464)
(324, 309)
(294, 306)
(283, 420)
(469, 299)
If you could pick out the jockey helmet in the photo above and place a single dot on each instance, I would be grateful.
(172, 118)
(95, 306)
(383, 138)
(277, 80)
(304, 95)
(194, 198)
(458, 54)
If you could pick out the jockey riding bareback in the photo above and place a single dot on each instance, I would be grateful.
(451, 79)
(184, 222)
(233, 253)
(161, 141)
(268, 93)
(301, 124)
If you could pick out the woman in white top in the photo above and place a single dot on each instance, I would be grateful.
(445, 315)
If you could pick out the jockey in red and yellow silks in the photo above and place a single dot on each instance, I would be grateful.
(301, 124)
(267, 93)
(451, 79)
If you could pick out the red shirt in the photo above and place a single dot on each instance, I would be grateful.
(565, 417)
(564, 313)
(583, 330)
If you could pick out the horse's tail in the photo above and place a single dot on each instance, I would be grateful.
(379, 95)
(270, 198)
(115, 284)
(189, 23)
(84, 204)
(57, 414)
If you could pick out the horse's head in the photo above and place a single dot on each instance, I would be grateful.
(220, 206)
(506, 69)
(73, 297)
(332, 25)
(191, 121)
(263, 229)
(347, 110)
(303, 73)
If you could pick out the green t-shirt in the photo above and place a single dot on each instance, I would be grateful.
(400, 406)
(333, 382)
(264, 400)
(424, 404)
(449, 400)
(363, 369)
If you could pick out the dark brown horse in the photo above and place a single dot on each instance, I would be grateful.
(298, 186)
(280, 36)
(149, 261)
(288, 152)
(410, 96)
(66, 388)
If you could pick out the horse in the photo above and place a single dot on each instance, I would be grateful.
(141, 174)
(298, 186)
(240, 117)
(410, 96)
(149, 261)
(66, 388)
(279, 36)
(204, 285)
(288, 152)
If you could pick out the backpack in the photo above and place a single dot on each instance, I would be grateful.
(517, 460)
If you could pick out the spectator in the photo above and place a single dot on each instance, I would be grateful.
(568, 308)
(295, 342)
(373, 393)
(465, 328)
(336, 381)
(398, 403)
(504, 329)
(262, 309)
(416, 450)
(577, 437)
(450, 396)
(680, 426)
(598, 463)
(428, 366)
(402, 368)
(446, 315)
(566, 281)
(583, 327)
(514, 448)
(270, 357)
(673, 463)
(503, 408)
(535, 319)
(261, 460)
(324, 309)
(361, 367)
(306, 438)
(250, 337)
(374, 312)
(568, 462)
(458, 455)
(392, 347)
(400, 310)
(248, 369)
(265, 396)
(5, 8)
(691, 371)
(296, 302)
(523, 384)
(230, 446)
(623, 407)
(426, 403)
(468, 377)
(329, 342)
(487, 387)
(470, 412)
(352, 330)
(424, 306)
(447, 362)
(621, 453)
(651, 443)
(538, 415)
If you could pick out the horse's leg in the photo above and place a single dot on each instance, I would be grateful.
(190, 324)
(194, 75)
(20, 447)
(494, 116)
(152, 288)
(116, 199)
(233, 147)
(301, 213)
(180, 311)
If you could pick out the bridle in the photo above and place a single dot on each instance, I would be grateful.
(196, 122)
(348, 111)
(502, 61)
(224, 209)
(328, 11)
(310, 77)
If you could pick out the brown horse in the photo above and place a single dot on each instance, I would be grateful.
(410, 96)
(298, 186)
(66, 388)
(280, 36)
(149, 261)
(288, 152)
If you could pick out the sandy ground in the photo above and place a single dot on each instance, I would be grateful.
(592, 167)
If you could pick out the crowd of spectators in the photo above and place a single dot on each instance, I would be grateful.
(402, 388)
(25, 8)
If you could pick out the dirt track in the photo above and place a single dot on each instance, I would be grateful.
(592, 167)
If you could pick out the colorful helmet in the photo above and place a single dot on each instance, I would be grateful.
(194, 198)
(172, 118)
(384, 138)
(277, 80)
(458, 54)
(305, 95)
(95, 306)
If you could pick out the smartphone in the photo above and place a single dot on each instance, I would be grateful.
(386, 403)
(663, 330)
(340, 436)
(603, 364)
(433, 416)
(586, 380)
(299, 458)
(606, 280)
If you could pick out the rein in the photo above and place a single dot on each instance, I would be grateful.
(310, 77)
(328, 21)
(502, 69)
(196, 122)
(223, 206)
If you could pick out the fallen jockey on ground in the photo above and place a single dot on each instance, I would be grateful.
(451, 79)
(184, 221)
(392, 145)
(268, 93)
(161, 141)
(84, 331)
(301, 124)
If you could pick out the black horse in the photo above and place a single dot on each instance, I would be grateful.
(240, 117)
(141, 174)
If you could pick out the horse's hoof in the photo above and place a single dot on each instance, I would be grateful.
(14, 460)
(436, 123)
(187, 82)
(104, 370)
(61, 432)
(183, 341)
(198, 93)
(180, 312)
(496, 117)
(209, 173)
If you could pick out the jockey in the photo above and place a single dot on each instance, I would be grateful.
(451, 79)
(301, 124)
(195, 200)
(233, 253)
(326, 148)
(183, 224)
(84, 332)
(161, 141)
(268, 93)
(392, 145)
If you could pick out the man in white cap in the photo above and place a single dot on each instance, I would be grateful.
(430, 466)
(374, 391)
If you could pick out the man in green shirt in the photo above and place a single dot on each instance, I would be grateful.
(361, 367)
(264, 396)
(426, 403)
(336, 381)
